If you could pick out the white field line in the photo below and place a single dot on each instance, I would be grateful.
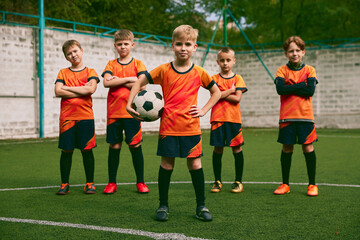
(181, 182)
(100, 137)
(152, 235)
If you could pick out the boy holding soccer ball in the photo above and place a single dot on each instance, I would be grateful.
(295, 83)
(226, 119)
(119, 76)
(180, 133)
(75, 85)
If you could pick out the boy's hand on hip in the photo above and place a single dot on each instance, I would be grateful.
(195, 111)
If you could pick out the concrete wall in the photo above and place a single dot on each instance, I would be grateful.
(336, 101)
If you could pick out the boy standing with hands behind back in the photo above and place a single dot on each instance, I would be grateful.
(180, 133)
(226, 119)
(119, 76)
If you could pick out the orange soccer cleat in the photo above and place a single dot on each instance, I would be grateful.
(282, 189)
(313, 190)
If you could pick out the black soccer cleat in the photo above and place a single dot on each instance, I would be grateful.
(162, 213)
(203, 214)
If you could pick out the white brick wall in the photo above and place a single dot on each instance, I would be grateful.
(336, 101)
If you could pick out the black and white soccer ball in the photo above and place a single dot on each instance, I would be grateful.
(150, 105)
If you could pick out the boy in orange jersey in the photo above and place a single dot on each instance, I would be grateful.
(119, 76)
(180, 133)
(295, 83)
(226, 119)
(75, 85)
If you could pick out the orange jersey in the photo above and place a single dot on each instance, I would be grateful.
(294, 107)
(180, 91)
(78, 108)
(225, 111)
(118, 96)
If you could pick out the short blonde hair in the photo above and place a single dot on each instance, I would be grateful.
(68, 44)
(185, 32)
(123, 34)
(297, 40)
(226, 50)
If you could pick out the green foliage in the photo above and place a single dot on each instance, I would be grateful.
(263, 21)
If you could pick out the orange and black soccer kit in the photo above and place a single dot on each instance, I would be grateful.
(180, 133)
(119, 121)
(296, 86)
(77, 127)
(226, 125)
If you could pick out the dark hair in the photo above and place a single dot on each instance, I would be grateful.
(297, 40)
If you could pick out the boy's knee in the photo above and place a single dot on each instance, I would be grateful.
(115, 146)
(218, 150)
(288, 148)
(307, 148)
(237, 149)
(194, 163)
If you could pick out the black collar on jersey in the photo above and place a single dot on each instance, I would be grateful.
(298, 67)
(228, 77)
(118, 60)
(173, 67)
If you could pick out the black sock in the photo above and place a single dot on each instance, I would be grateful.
(285, 166)
(113, 163)
(216, 160)
(239, 165)
(89, 165)
(164, 184)
(138, 162)
(198, 181)
(65, 166)
(311, 166)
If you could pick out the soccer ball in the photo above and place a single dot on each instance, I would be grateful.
(149, 104)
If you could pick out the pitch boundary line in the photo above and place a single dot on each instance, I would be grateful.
(153, 235)
(182, 182)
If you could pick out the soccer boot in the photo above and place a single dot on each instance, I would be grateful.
(142, 188)
(89, 188)
(282, 189)
(110, 188)
(64, 189)
(313, 190)
(237, 187)
(162, 213)
(203, 214)
(216, 187)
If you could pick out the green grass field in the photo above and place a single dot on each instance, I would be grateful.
(254, 214)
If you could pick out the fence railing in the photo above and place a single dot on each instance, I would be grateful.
(20, 19)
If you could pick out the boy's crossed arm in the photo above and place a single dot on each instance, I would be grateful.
(113, 81)
(64, 91)
(303, 89)
(231, 95)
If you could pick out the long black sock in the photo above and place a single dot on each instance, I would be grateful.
(216, 160)
(164, 184)
(239, 165)
(89, 164)
(65, 166)
(198, 181)
(285, 166)
(138, 162)
(113, 163)
(311, 166)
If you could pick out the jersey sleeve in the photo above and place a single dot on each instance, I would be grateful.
(108, 69)
(141, 69)
(206, 81)
(93, 75)
(60, 77)
(240, 84)
(156, 75)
